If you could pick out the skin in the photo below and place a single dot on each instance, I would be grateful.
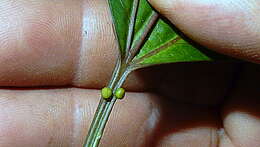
(55, 54)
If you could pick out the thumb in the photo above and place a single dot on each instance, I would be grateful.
(230, 27)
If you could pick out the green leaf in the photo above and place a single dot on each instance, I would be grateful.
(165, 46)
(121, 11)
(148, 39)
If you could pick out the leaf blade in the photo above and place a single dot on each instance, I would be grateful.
(123, 16)
(150, 45)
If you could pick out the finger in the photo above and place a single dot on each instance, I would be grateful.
(60, 117)
(186, 125)
(241, 114)
(227, 26)
(87, 61)
(65, 43)
(39, 41)
(72, 43)
(224, 140)
(55, 43)
(196, 83)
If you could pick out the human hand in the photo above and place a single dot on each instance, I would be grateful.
(70, 45)
(226, 26)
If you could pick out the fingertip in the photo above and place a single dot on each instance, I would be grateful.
(162, 5)
(215, 24)
(241, 117)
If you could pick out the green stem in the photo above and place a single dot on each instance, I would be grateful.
(105, 107)
(95, 121)
(100, 129)
(121, 71)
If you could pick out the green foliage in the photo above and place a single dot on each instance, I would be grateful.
(144, 39)
(161, 45)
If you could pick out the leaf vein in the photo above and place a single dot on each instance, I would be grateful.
(157, 50)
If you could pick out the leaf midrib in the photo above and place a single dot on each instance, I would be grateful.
(155, 51)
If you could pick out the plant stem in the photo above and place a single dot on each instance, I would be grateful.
(122, 69)
(105, 107)
(101, 106)
(137, 45)
(95, 121)
(136, 62)
(132, 25)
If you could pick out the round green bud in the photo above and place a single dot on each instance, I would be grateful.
(120, 93)
(106, 93)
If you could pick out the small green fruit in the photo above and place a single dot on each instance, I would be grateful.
(106, 93)
(120, 93)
